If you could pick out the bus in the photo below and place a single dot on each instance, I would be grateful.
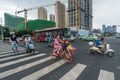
(41, 35)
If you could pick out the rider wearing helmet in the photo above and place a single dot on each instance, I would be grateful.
(100, 43)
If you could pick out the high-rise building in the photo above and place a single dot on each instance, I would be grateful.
(109, 29)
(66, 18)
(88, 14)
(52, 17)
(42, 13)
(60, 14)
(84, 14)
(12, 21)
(103, 28)
(114, 28)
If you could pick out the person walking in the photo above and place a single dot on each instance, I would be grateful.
(14, 41)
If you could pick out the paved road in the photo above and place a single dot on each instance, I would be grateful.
(41, 67)
(5, 47)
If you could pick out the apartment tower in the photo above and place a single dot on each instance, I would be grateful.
(42, 13)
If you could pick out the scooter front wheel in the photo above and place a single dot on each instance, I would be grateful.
(110, 54)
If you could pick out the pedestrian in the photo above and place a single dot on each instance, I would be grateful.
(14, 41)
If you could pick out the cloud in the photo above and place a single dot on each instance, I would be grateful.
(106, 12)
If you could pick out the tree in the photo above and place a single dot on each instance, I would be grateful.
(6, 32)
(23, 32)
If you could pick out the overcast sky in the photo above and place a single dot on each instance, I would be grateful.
(104, 11)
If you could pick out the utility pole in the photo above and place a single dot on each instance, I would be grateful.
(25, 19)
(2, 34)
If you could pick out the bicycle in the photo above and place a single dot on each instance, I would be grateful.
(67, 54)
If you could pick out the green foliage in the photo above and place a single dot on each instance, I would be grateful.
(6, 32)
(23, 32)
(0, 37)
(107, 34)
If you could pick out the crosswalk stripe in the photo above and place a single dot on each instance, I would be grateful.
(5, 52)
(44, 71)
(12, 57)
(1, 53)
(21, 60)
(15, 70)
(74, 72)
(106, 75)
(6, 55)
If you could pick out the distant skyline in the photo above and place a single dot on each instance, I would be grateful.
(104, 11)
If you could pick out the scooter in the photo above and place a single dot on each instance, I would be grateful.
(102, 50)
(30, 47)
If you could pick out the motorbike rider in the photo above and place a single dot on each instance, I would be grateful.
(28, 40)
(100, 42)
(57, 43)
(14, 41)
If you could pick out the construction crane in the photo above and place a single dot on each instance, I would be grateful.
(29, 9)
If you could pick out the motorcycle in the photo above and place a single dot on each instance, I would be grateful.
(30, 47)
(104, 49)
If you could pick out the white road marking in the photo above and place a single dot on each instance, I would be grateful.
(74, 72)
(26, 66)
(6, 52)
(12, 57)
(20, 60)
(44, 71)
(7, 55)
(2, 53)
(106, 75)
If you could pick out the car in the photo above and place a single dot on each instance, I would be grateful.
(89, 38)
(24, 36)
(117, 35)
(68, 38)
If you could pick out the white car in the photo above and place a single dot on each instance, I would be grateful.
(118, 35)
(69, 38)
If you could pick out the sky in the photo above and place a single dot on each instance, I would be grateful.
(104, 11)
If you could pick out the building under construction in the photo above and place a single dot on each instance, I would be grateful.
(13, 21)
(37, 24)
(80, 14)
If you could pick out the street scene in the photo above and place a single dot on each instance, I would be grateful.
(58, 40)
(40, 65)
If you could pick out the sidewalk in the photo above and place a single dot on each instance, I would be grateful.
(6, 48)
